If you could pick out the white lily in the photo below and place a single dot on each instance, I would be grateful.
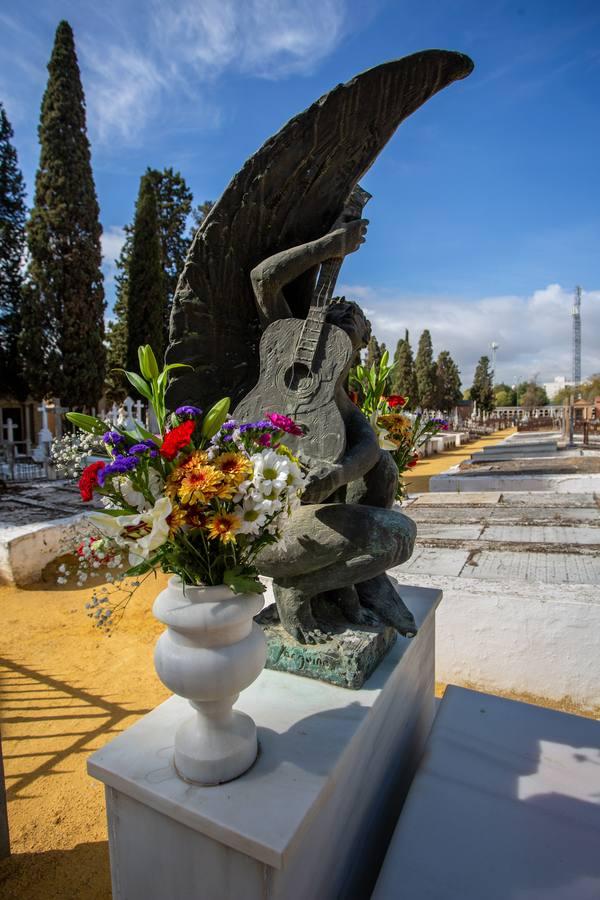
(141, 534)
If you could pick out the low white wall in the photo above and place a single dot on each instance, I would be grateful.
(26, 550)
(537, 639)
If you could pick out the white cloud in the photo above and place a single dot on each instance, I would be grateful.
(113, 239)
(130, 73)
(533, 332)
(268, 38)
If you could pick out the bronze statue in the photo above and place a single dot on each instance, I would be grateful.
(345, 536)
(252, 268)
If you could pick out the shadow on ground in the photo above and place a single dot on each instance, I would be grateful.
(81, 873)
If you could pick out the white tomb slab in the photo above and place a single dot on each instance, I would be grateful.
(505, 806)
(311, 819)
(550, 568)
(432, 561)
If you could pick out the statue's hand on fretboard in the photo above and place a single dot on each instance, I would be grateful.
(349, 236)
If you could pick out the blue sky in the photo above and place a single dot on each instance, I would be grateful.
(485, 209)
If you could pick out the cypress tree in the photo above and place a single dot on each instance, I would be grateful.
(425, 372)
(12, 251)
(447, 382)
(404, 379)
(174, 205)
(374, 353)
(63, 308)
(145, 289)
(482, 390)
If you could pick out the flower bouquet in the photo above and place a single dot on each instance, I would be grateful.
(400, 433)
(199, 499)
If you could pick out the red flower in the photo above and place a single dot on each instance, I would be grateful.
(177, 439)
(413, 461)
(89, 480)
(396, 400)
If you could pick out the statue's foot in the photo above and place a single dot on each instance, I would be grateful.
(348, 601)
(296, 616)
(380, 596)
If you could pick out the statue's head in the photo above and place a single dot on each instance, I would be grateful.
(348, 316)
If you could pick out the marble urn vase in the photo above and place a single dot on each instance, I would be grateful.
(212, 649)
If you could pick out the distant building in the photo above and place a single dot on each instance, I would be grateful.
(553, 387)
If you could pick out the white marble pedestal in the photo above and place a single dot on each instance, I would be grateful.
(312, 818)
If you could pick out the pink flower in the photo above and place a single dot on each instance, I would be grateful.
(284, 423)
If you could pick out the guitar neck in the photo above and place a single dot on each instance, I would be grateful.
(328, 275)
(308, 343)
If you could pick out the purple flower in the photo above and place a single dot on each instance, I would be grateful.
(113, 437)
(258, 426)
(188, 411)
(119, 466)
(229, 425)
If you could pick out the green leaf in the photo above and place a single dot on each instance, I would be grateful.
(118, 512)
(243, 584)
(87, 423)
(140, 569)
(139, 384)
(147, 434)
(215, 417)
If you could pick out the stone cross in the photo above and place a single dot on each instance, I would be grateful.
(126, 414)
(58, 413)
(114, 414)
(139, 410)
(10, 429)
(44, 435)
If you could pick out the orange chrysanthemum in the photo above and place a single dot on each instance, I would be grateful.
(177, 519)
(201, 485)
(223, 526)
(235, 466)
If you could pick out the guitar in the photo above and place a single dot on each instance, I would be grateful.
(302, 364)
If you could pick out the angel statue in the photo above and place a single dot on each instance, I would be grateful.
(262, 269)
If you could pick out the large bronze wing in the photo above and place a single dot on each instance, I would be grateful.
(290, 192)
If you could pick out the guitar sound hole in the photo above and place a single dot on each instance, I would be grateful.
(298, 377)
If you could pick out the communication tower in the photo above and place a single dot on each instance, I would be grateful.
(576, 338)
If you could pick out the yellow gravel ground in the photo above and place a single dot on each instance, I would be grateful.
(66, 689)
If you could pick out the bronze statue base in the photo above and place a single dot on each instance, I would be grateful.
(350, 656)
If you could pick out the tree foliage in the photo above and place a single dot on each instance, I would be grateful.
(587, 390)
(482, 391)
(531, 395)
(63, 303)
(116, 337)
(145, 288)
(12, 252)
(173, 206)
(404, 379)
(199, 213)
(504, 395)
(373, 354)
(425, 371)
(447, 382)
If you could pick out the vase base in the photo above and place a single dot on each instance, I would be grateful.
(207, 755)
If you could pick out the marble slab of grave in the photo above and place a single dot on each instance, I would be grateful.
(505, 806)
(311, 818)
